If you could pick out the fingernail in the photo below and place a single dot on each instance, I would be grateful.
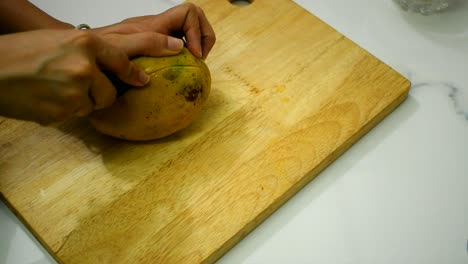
(174, 43)
(143, 77)
(198, 52)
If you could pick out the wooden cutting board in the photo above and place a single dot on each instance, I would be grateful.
(290, 94)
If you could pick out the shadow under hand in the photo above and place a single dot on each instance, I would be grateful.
(133, 160)
(143, 199)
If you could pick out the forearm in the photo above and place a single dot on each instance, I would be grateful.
(21, 15)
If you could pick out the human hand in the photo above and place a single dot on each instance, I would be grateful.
(160, 35)
(51, 75)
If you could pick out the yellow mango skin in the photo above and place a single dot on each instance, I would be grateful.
(172, 100)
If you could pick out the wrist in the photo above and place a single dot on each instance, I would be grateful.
(21, 15)
(61, 25)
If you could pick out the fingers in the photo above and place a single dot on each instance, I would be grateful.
(146, 43)
(208, 37)
(101, 92)
(198, 31)
(191, 19)
(79, 99)
(192, 31)
(96, 54)
(86, 106)
(116, 61)
(188, 19)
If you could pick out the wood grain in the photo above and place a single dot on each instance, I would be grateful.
(289, 95)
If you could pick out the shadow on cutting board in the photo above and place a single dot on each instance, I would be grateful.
(114, 154)
(117, 152)
(156, 203)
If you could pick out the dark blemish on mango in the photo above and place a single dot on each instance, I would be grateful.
(171, 74)
(192, 92)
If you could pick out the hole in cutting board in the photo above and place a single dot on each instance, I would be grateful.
(241, 2)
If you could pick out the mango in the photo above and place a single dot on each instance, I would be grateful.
(178, 88)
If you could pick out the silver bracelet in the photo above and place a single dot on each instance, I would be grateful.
(83, 26)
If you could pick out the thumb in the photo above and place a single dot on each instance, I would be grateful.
(116, 61)
(147, 43)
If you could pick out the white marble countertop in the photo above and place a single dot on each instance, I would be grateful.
(400, 195)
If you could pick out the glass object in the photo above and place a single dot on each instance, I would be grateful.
(425, 7)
